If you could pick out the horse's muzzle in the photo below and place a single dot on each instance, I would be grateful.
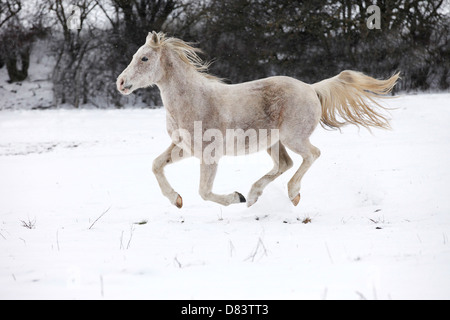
(123, 87)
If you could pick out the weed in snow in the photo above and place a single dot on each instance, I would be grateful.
(122, 247)
(104, 212)
(30, 224)
(260, 244)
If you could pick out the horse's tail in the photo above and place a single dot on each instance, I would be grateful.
(353, 97)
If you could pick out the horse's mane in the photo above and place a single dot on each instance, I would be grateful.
(187, 53)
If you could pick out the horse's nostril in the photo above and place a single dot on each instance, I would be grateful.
(122, 82)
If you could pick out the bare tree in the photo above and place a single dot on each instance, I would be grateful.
(17, 34)
(9, 9)
(70, 52)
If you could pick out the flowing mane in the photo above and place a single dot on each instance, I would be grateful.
(187, 53)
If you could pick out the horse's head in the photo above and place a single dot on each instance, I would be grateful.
(145, 69)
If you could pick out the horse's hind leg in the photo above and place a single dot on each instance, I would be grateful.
(207, 176)
(309, 154)
(281, 163)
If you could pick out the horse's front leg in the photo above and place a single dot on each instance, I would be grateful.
(207, 175)
(158, 169)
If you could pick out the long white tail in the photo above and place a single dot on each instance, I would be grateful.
(353, 96)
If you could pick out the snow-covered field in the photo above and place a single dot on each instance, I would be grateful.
(379, 210)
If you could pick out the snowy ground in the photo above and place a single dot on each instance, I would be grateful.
(379, 207)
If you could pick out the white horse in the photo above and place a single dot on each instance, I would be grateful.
(194, 99)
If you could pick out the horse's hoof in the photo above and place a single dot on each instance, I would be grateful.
(296, 200)
(179, 202)
(241, 197)
(250, 203)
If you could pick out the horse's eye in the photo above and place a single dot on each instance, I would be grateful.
(144, 59)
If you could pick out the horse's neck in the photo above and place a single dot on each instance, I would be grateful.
(180, 88)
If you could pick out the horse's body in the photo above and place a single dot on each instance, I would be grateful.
(282, 105)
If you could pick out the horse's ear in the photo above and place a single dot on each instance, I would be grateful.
(153, 39)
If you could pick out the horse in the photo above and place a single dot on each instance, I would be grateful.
(292, 109)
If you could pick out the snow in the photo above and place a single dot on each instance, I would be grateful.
(379, 207)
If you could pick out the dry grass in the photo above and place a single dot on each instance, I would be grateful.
(29, 224)
(305, 220)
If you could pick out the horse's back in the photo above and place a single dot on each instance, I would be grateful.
(274, 102)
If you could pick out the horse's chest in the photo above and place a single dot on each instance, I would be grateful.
(179, 133)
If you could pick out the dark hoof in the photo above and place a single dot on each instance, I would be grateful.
(241, 197)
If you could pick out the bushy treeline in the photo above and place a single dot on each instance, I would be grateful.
(93, 40)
